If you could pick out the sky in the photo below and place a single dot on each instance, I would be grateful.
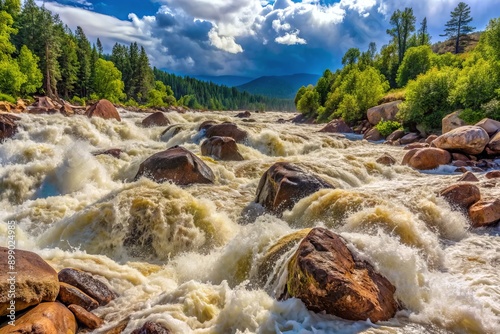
(253, 37)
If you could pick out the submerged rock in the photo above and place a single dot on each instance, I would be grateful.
(155, 119)
(426, 158)
(69, 294)
(329, 278)
(35, 280)
(485, 212)
(462, 195)
(227, 129)
(244, 114)
(336, 126)
(103, 109)
(85, 318)
(205, 125)
(467, 139)
(151, 328)
(284, 184)
(177, 165)
(386, 160)
(223, 148)
(8, 126)
(468, 177)
(91, 286)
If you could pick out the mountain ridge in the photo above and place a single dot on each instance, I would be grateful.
(284, 86)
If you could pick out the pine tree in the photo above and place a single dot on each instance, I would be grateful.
(68, 62)
(84, 53)
(100, 48)
(403, 23)
(458, 26)
(423, 34)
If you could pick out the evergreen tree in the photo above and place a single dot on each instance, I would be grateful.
(131, 77)
(145, 77)
(68, 62)
(99, 48)
(403, 23)
(423, 35)
(458, 26)
(351, 57)
(84, 54)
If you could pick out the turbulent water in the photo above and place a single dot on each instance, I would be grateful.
(187, 258)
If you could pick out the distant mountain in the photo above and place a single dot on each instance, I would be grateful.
(225, 80)
(284, 87)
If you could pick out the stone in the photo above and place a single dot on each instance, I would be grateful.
(103, 109)
(460, 170)
(177, 165)
(426, 158)
(68, 294)
(8, 126)
(86, 318)
(205, 125)
(20, 106)
(415, 145)
(227, 129)
(409, 138)
(489, 125)
(467, 139)
(151, 328)
(430, 139)
(485, 212)
(468, 177)
(155, 119)
(493, 174)
(336, 126)
(386, 160)
(284, 184)
(88, 284)
(6, 106)
(373, 135)
(35, 282)
(45, 318)
(452, 121)
(459, 157)
(114, 152)
(386, 112)
(494, 144)
(329, 278)
(223, 148)
(244, 114)
(118, 329)
(461, 195)
(44, 102)
(67, 110)
(398, 134)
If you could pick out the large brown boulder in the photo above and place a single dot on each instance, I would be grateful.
(155, 119)
(46, 318)
(68, 294)
(85, 318)
(336, 126)
(485, 212)
(462, 195)
(8, 126)
(205, 125)
(373, 135)
(397, 134)
(35, 281)
(409, 138)
(494, 144)
(489, 125)
(329, 278)
(468, 177)
(468, 139)
(88, 284)
(103, 109)
(284, 184)
(177, 165)
(386, 112)
(426, 158)
(227, 129)
(151, 328)
(223, 148)
(452, 121)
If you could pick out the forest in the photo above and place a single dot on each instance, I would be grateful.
(431, 85)
(40, 55)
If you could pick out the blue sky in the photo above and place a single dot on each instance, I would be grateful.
(252, 37)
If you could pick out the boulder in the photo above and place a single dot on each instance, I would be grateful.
(227, 129)
(489, 125)
(35, 280)
(494, 144)
(336, 126)
(85, 318)
(67, 110)
(459, 157)
(6, 106)
(177, 165)
(493, 174)
(386, 112)
(461, 195)
(398, 134)
(46, 318)
(155, 119)
(244, 114)
(205, 125)
(386, 160)
(409, 138)
(284, 184)
(430, 139)
(468, 139)
(68, 294)
(103, 109)
(485, 212)
(415, 145)
(426, 158)
(8, 126)
(468, 177)
(329, 278)
(88, 284)
(151, 328)
(373, 135)
(452, 121)
(223, 148)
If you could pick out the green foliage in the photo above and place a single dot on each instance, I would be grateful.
(492, 109)
(28, 66)
(387, 63)
(470, 116)
(160, 95)
(322, 87)
(299, 94)
(75, 100)
(12, 7)
(387, 127)
(309, 102)
(6, 47)
(11, 77)
(351, 56)
(417, 60)
(447, 59)
(403, 24)
(458, 25)
(8, 98)
(491, 39)
(108, 82)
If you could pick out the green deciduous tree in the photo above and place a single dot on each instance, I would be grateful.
(309, 102)
(108, 82)
(11, 77)
(6, 47)
(351, 56)
(417, 60)
(12, 7)
(403, 24)
(458, 26)
(28, 65)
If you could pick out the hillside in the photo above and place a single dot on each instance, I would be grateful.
(284, 87)
(225, 80)
(449, 45)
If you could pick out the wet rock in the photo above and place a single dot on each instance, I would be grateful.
(303, 119)
(452, 121)
(103, 109)
(118, 329)
(44, 102)
(244, 114)
(398, 134)
(284, 184)
(8, 126)
(386, 160)
(35, 280)
(409, 138)
(460, 169)
(45, 318)
(459, 157)
(206, 125)
(155, 119)
(151, 328)
(223, 148)
(430, 139)
(329, 278)
(66, 110)
(489, 125)
(386, 111)
(468, 177)
(461, 195)
(6, 106)
(415, 145)
(114, 152)
(336, 126)
(227, 130)
(174, 129)
(485, 212)
(426, 158)
(177, 165)
(373, 135)
(466, 139)
(493, 174)
(494, 145)
(85, 318)
(88, 284)
(68, 294)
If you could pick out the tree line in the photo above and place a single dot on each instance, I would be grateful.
(431, 85)
(39, 54)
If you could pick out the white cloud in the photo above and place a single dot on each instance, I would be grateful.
(225, 43)
(290, 39)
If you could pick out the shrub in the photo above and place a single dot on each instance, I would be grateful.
(492, 109)
(417, 60)
(8, 98)
(77, 101)
(387, 127)
(470, 116)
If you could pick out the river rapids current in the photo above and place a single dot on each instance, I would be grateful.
(193, 266)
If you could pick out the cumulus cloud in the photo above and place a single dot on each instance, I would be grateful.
(290, 39)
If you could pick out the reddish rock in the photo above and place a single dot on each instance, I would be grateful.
(493, 174)
(223, 148)
(66, 110)
(430, 139)
(44, 102)
(329, 278)
(373, 135)
(336, 126)
(466, 139)
(284, 184)
(459, 163)
(452, 121)
(6, 106)
(494, 145)
(462, 195)
(8, 126)
(461, 170)
(151, 328)
(459, 156)
(155, 119)
(386, 111)
(426, 158)
(415, 145)
(227, 130)
(103, 109)
(398, 134)
(386, 160)
(205, 125)
(177, 165)
(485, 212)
(489, 125)
(85, 318)
(409, 138)
(68, 294)
(88, 284)
(244, 114)
(468, 177)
